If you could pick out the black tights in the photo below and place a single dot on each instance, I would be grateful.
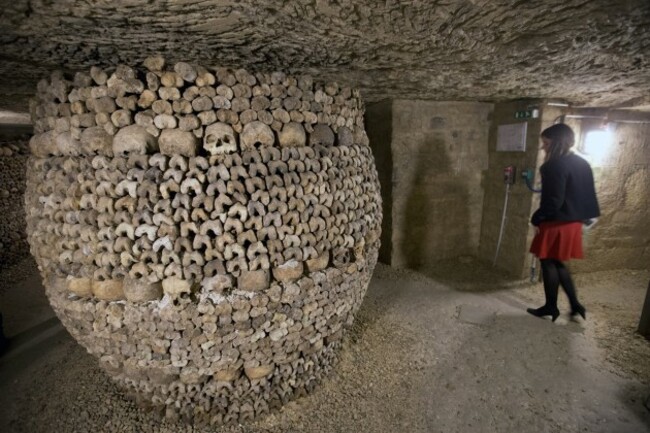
(554, 273)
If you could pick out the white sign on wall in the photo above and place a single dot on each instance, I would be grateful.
(512, 137)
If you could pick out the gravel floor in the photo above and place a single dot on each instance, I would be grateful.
(452, 352)
(22, 298)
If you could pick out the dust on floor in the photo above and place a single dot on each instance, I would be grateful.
(448, 353)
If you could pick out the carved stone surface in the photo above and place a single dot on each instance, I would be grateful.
(589, 52)
(13, 240)
(212, 276)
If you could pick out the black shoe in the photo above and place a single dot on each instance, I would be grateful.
(579, 309)
(545, 311)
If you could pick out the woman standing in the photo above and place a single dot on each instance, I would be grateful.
(568, 200)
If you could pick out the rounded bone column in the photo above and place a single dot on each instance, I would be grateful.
(208, 234)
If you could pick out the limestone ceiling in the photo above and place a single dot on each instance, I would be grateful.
(589, 52)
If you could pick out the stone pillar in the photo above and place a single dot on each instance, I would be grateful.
(513, 255)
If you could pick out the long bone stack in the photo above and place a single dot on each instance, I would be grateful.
(208, 234)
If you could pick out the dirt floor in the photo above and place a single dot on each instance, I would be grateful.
(22, 300)
(453, 351)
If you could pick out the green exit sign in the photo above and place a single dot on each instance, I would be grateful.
(527, 114)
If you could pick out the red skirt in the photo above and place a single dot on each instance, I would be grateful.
(560, 240)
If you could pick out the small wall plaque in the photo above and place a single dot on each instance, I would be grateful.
(512, 137)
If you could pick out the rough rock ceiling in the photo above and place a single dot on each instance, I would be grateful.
(589, 52)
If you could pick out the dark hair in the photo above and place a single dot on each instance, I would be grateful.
(562, 139)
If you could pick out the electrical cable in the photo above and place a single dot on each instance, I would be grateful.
(529, 184)
(503, 224)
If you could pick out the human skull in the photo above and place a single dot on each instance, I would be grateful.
(132, 139)
(292, 135)
(219, 139)
(255, 133)
(322, 135)
(344, 137)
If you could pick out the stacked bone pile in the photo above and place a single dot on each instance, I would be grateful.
(208, 234)
(13, 238)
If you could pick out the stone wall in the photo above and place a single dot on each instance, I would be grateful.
(13, 159)
(439, 200)
(621, 239)
(379, 118)
(439, 155)
(513, 255)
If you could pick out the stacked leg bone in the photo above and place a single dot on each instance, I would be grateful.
(208, 234)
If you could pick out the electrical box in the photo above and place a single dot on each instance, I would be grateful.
(528, 175)
(509, 174)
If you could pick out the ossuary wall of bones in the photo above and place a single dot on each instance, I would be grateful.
(207, 233)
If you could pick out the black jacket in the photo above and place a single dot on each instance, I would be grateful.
(568, 192)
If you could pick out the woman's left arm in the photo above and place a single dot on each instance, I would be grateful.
(554, 179)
